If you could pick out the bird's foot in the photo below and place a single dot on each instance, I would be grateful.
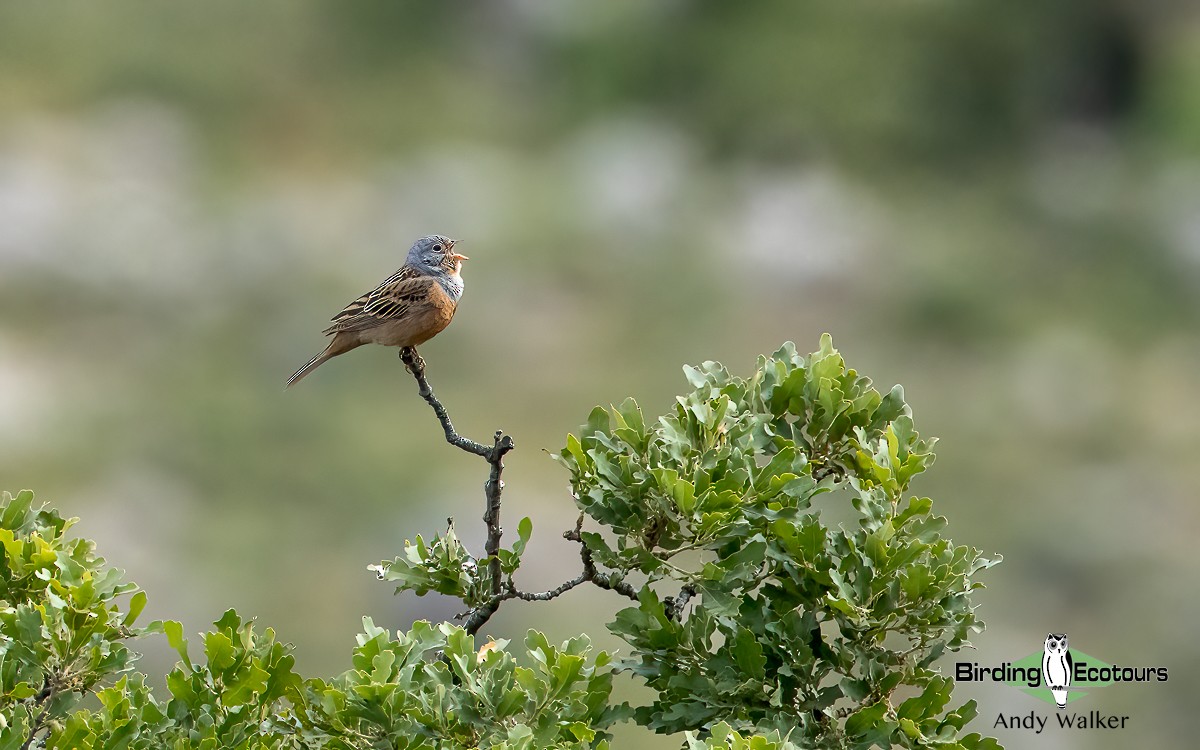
(412, 361)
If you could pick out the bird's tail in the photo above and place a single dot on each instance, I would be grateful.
(309, 366)
(341, 344)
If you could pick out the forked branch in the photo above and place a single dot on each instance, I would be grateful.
(492, 489)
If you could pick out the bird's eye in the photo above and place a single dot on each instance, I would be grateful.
(437, 248)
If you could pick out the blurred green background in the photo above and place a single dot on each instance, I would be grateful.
(996, 205)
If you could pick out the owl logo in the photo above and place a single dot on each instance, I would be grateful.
(1057, 667)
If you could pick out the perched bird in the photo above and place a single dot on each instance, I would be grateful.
(410, 307)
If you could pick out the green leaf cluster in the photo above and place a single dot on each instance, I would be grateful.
(64, 619)
(811, 627)
(443, 565)
(722, 737)
(431, 688)
(242, 696)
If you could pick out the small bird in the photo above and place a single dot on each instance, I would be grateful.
(410, 307)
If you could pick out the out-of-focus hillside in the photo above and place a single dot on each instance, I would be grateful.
(997, 206)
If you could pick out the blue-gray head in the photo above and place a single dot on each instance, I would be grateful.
(434, 256)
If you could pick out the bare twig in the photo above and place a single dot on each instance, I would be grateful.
(415, 365)
(588, 575)
(501, 444)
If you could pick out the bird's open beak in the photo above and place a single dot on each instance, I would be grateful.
(456, 256)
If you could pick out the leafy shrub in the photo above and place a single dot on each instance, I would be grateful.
(801, 626)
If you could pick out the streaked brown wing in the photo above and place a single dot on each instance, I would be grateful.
(389, 301)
